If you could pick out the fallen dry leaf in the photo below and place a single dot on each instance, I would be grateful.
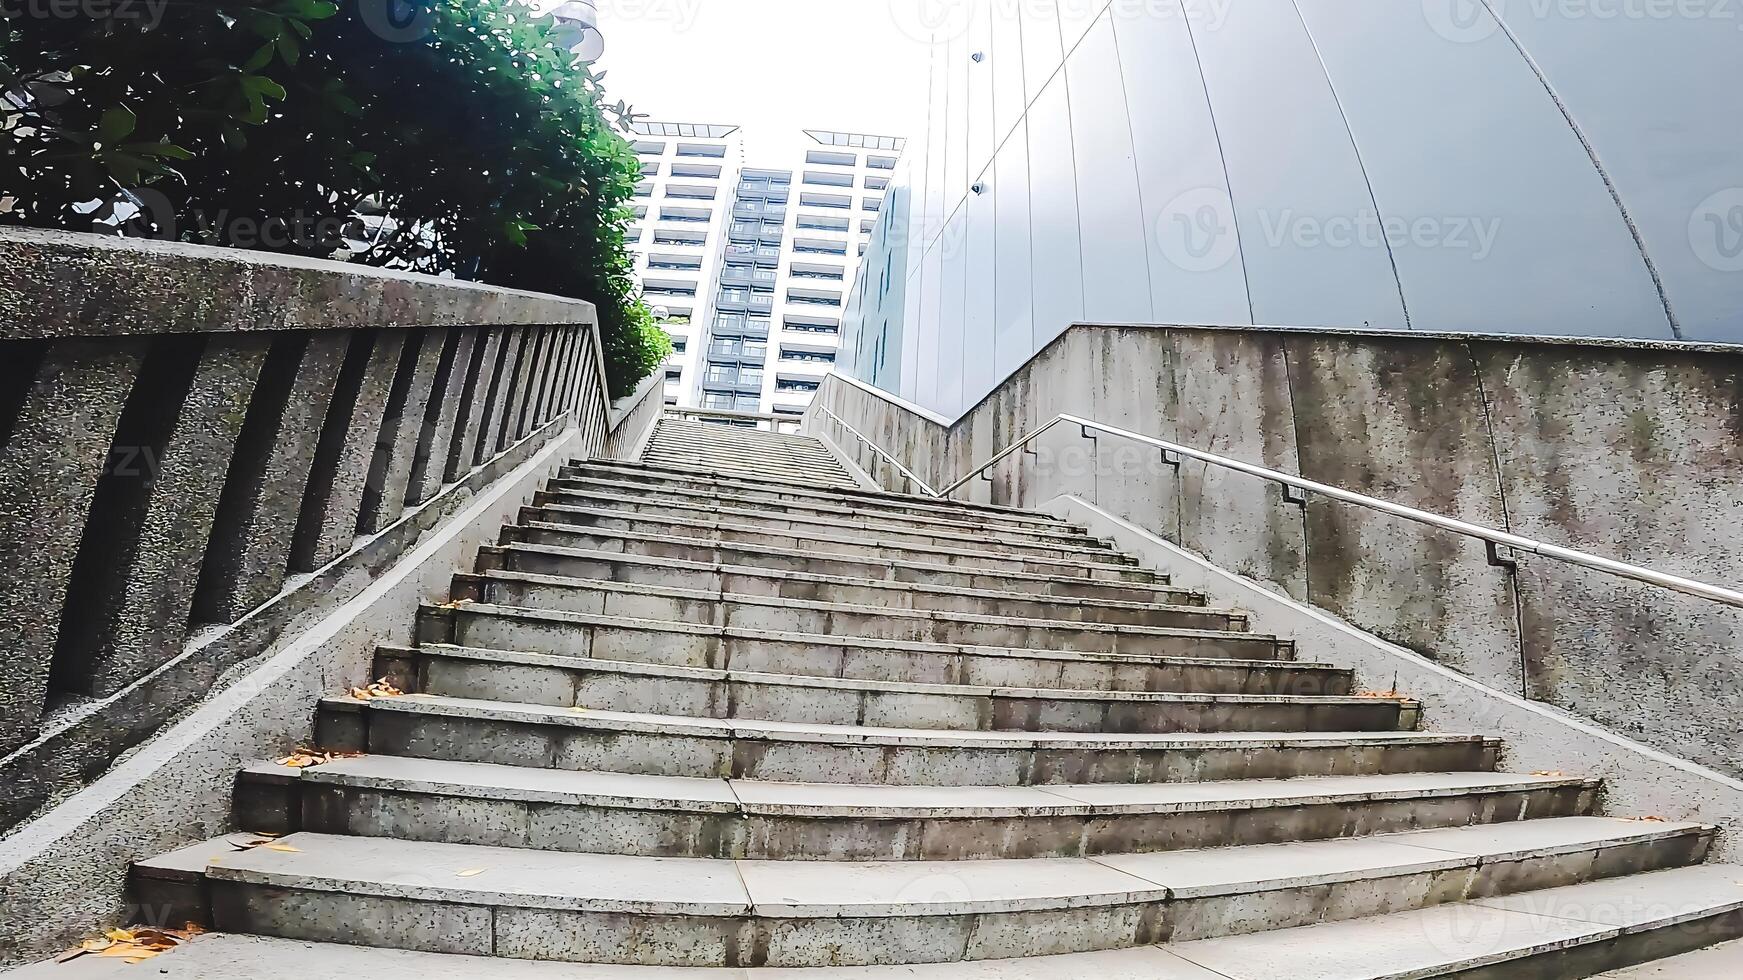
(1377, 694)
(379, 689)
(303, 758)
(1650, 819)
(456, 604)
(266, 842)
(133, 945)
(469, 873)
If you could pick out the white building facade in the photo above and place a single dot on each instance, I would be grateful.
(755, 278)
(1441, 165)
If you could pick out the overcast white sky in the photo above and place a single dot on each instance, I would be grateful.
(774, 67)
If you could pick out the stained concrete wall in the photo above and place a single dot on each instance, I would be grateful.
(1628, 450)
(185, 430)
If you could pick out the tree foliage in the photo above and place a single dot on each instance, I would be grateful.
(455, 137)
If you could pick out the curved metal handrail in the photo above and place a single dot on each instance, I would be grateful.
(1173, 453)
(907, 474)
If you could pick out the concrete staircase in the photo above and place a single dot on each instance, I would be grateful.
(726, 709)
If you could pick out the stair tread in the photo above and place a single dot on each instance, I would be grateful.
(568, 616)
(800, 553)
(486, 780)
(1430, 942)
(475, 652)
(893, 687)
(747, 598)
(684, 497)
(477, 874)
(514, 711)
(1418, 943)
(824, 579)
(880, 545)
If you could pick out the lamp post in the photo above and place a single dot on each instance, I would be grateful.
(578, 29)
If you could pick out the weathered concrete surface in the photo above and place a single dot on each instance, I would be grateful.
(474, 405)
(1640, 461)
(63, 872)
(441, 417)
(1632, 450)
(246, 562)
(502, 388)
(1404, 422)
(50, 465)
(347, 449)
(1638, 779)
(135, 615)
(390, 471)
(57, 284)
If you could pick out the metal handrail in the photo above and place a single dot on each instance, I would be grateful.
(1494, 540)
(874, 447)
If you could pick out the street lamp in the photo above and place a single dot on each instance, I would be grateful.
(578, 29)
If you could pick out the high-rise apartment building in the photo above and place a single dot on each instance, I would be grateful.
(753, 266)
(678, 237)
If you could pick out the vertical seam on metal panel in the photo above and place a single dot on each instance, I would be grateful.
(1361, 164)
(1132, 141)
(1064, 77)
(1598, 165)
(1222, 158)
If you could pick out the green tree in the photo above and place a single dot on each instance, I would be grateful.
(451, 137)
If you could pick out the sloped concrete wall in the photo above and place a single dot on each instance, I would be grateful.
(1626, 449)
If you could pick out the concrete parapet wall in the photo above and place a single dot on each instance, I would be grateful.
(193, 440)
(1633, 451)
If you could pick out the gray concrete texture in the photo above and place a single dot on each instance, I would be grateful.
(1628, 450)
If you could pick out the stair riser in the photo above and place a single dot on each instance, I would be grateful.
(601, 599)
(664, 939)
(603, 829)
(752, 487)
(646, 517)
(1598, 957)
(634, 495)
(1036, 592)
(693, 648)
(784, 470)
(757, 461)
(744, 757)
(735, 615)
(959, 577)
(707, 540)
(609, 691)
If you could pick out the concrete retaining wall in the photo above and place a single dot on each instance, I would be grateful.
(200, 448)
(1629, 450)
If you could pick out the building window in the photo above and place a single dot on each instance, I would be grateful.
(880, 163)
(876, 183)
(808, 356)
(715, 150)
(832, 158)
(649, 148)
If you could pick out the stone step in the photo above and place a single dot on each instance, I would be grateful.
(704, 645)
(1554, 934)
(624, 493)
(677, 430)
(597, 908)
(636, 571)
(694, 452)
(813, 615)
(578, 682)
(534, 553)
(940, 632)
(665, 816)
(742, 484)
(544, 736)
(959, 571)
(656, 516)
(752, 464)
